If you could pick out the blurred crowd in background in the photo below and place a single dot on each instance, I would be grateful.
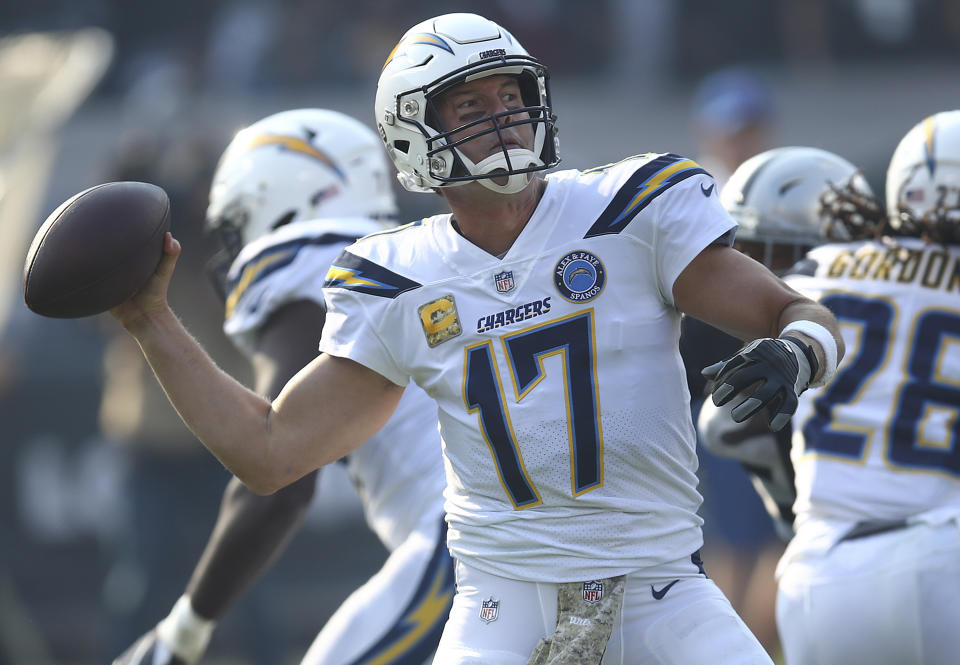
(106, 497)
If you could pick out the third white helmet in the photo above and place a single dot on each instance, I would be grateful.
(298, 165)
(923, 179)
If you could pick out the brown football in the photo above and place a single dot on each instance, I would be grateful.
(96, 250)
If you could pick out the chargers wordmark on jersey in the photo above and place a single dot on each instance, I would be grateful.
(508, 317)
(440, 320)
(489, 610)
(579, 276)
(592, 592)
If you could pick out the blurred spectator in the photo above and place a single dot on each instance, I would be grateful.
(733, 114)
(240, 34)
(804, 28)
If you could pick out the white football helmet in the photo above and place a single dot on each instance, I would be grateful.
(800, 196)
(923, 180)
(298, 165)
(431, 58)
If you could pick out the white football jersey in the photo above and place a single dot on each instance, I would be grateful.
(398, 473)
(564, 407)
(882, 440)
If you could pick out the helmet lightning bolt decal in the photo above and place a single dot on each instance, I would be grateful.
(294, 144)
(929, 130)
(425, 38)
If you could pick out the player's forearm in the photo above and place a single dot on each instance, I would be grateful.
(250, 533)
(229, 419)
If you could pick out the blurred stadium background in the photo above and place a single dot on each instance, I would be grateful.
(106, 499)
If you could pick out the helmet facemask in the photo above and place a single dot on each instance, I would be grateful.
(227, 228)
(850, 211)
(938, 221)
(508, 169)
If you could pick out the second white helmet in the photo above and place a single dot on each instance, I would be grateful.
(800, 196)
(431, 58)
(299, 165)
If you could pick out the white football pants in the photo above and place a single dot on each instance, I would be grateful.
(886, 599)
(397, 616)
(692, 623)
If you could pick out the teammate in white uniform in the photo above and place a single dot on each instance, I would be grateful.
(873, 572)
(291, 191)
(785, 201)
(543, 317)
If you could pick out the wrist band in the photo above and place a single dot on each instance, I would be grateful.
(186, 632)
(826, 341)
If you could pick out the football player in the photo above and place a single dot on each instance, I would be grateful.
(785, 201)
(290, 192)
(872, 574)
(542, 315)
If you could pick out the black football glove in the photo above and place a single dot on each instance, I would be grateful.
(780, 368)
(149, 650)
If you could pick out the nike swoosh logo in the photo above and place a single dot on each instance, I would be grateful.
(662, 592)
(707, 191)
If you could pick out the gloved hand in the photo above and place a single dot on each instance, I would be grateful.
(780, 369)
(180, 639)
(150, 650)
(764, 455)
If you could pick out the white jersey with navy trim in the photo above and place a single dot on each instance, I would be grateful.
(398, 473)
(563, 403)
(882, 440)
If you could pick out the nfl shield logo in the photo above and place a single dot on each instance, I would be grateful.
(504, 281)
(489, 610)
(592, 591)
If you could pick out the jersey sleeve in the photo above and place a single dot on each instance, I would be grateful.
(358, 313)
(683, 216)
(273, 278)
(685, 220)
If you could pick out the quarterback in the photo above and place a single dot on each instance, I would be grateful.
(568, 444)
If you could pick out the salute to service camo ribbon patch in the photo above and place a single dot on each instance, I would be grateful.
(586, 612)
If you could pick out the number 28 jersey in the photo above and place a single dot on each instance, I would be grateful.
(881, 441)
(563, 403)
